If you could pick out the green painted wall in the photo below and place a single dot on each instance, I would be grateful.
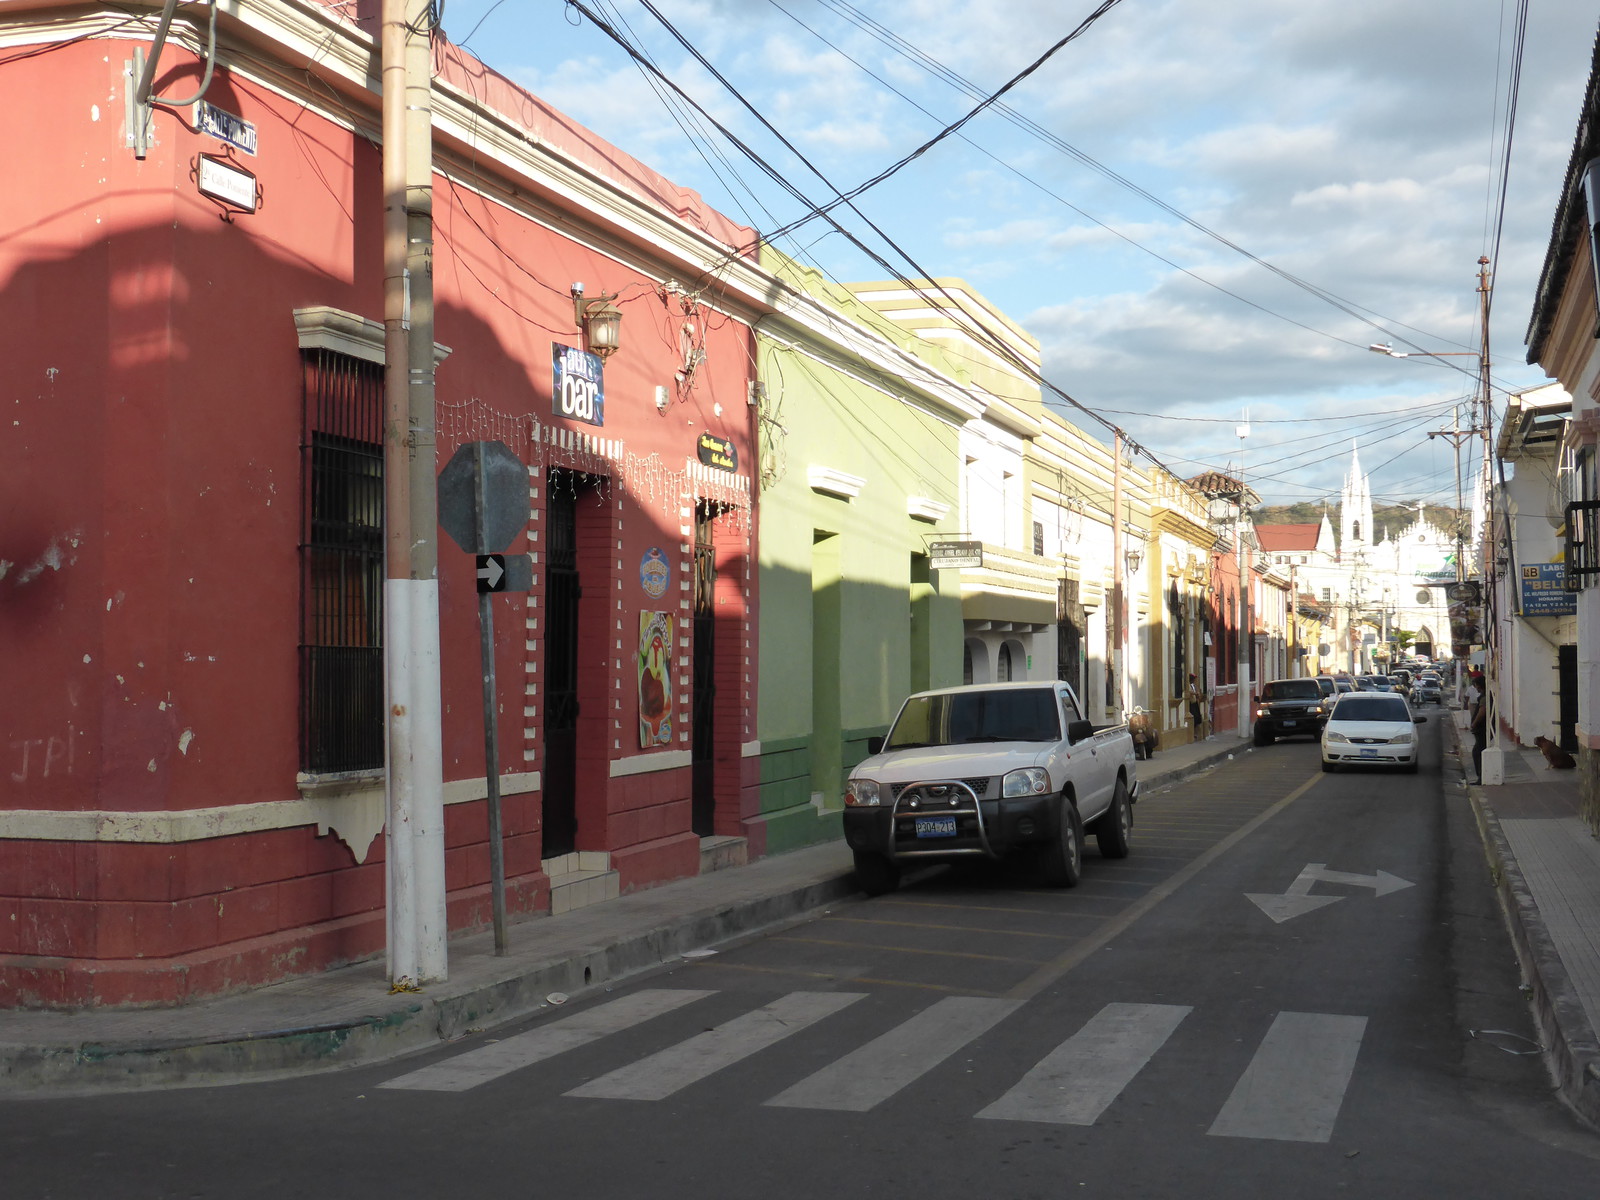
(852, 619)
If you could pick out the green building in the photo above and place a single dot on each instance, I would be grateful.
(859, 435)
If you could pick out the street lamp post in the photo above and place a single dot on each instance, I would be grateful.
(1493, 753)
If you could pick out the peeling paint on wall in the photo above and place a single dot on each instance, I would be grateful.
(59, 553)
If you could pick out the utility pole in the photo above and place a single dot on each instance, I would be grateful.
(1119, 617)
(1456, 435)
(1493, 753)
(1245, 639)
(417, 924)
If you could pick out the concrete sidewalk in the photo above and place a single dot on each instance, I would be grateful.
(1546, 866)
(348, 1016)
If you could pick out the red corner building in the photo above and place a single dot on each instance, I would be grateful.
(192, 539)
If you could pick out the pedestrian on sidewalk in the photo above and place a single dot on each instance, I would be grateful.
(1197, 707)
(1477, 714)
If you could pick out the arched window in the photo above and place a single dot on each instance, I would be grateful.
(1003, 670)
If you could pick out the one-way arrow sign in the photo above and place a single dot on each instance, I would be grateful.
(1298, 900)
(491, 572)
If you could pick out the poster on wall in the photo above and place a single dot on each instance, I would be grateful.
(655, 679)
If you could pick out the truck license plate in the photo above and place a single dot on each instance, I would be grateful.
(1288, 724)
(936, 827)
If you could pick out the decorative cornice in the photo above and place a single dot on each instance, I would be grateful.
(833, 482)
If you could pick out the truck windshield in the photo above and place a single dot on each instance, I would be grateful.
(955, 718)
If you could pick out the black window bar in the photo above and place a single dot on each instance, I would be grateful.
(341, 566)
(1583, 542)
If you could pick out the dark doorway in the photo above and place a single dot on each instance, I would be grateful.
(1070, 624)
(703, 814)
(562, 591)
(1567, 710)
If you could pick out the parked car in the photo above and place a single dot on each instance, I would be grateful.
(1326, 683)
(1343, 685)
(1000, 770)
(1371, 729)
(1288, 707)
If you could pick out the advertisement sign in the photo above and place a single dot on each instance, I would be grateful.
(578, 393)
(1544, 591)
(717, 452)
(655, 679)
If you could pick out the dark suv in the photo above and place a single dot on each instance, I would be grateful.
(1288, 707)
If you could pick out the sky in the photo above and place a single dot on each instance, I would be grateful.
(1137, 200)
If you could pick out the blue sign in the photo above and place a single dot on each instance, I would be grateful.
(579, 392)
(1544, 591)
(654, 573)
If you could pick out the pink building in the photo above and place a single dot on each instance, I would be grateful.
(192, 797)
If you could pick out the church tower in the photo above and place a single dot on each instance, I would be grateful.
(1355, 510)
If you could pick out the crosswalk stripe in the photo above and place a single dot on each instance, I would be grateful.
(1078, 1080)
(466, 1071)
(663, 1073)
(1295, 1084)
(868, 1076)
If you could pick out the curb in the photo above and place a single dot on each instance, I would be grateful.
(413, 1021)
(1571, 1050)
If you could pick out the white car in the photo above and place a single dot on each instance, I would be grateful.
(1371, 729)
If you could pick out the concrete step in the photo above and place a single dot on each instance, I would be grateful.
(579, 880)
(719, 852)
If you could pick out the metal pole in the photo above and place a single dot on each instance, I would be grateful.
(491, 758)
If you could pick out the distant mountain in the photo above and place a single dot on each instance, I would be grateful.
(1390, 519)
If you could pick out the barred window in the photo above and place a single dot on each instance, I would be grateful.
(341, 565)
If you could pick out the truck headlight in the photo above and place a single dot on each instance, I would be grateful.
(1263, 712)
(1029, 781)
(861, 793)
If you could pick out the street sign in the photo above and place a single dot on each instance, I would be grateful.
(943, 555)
(483, 497)
(491, 572)
(505, 572)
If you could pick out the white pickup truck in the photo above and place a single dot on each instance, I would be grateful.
(992, 770)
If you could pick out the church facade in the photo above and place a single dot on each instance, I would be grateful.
(1373, 590)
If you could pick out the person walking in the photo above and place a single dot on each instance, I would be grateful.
(1197, 707)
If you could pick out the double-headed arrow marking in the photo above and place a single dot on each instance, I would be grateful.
(1298, 900)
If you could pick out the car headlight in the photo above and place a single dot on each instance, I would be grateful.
(1401, 739)
(1334, 736)
(861, 793)
(1029, 781)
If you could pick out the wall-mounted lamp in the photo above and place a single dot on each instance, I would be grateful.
(600, 320)
(1134, 557)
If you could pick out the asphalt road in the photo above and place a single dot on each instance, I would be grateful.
(1288, 989)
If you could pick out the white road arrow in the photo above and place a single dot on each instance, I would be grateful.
(1298, 900)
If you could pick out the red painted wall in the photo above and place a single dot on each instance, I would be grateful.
(149, 602)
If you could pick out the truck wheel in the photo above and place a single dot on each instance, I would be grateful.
(1062, 860)
(875, 874)
(1113, 827)
(1262, 737)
